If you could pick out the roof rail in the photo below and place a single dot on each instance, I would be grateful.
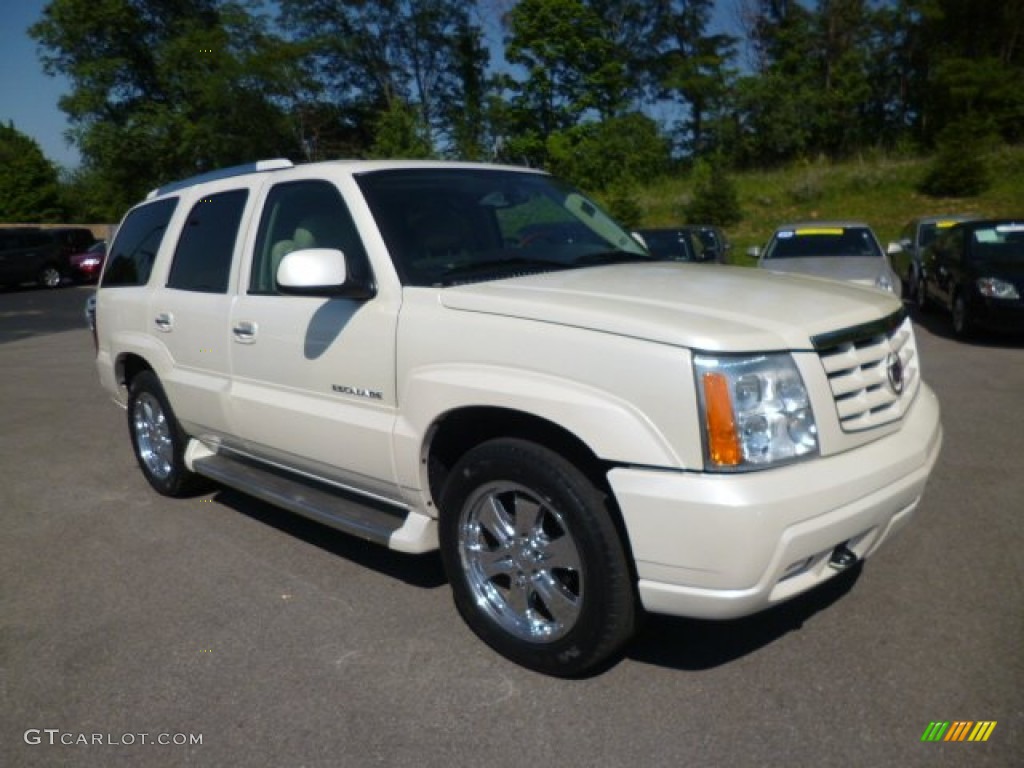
(223, 173)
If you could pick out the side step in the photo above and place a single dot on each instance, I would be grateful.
(366, 518)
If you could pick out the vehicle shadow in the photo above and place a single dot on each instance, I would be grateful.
(938, 323)
(677, 643)
(423, 571)
(27, 311)
(694, 644)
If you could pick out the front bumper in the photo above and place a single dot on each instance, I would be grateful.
(721, 546)
(998, 314)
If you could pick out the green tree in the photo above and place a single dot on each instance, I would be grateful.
(961, 59)
(29, 189)
(617, 152)
(365, 59)
(163, 90)
(569, 65)
(714, 200)
(958, 168)
(693, 67)
(401, 133)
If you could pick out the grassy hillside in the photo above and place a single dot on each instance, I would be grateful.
(880, 191)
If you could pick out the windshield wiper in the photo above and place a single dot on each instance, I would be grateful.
(486, 268)
(613, 257)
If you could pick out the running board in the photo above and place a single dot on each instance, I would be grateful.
(370, 520)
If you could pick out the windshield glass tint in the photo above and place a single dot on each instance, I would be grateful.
(1003, 242)
(447, 225)
(810, 242)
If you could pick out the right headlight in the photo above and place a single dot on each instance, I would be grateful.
(755, 411)
(994, 288)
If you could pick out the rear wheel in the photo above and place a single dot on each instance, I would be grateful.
(537, 568)
(157, 439)
(49, 277)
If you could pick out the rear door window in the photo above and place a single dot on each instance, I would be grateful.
(202, 261)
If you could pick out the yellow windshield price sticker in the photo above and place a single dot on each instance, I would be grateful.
(945, 224)
(820, 231)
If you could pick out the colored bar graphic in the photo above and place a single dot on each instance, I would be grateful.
(982, 730)
(958, 730)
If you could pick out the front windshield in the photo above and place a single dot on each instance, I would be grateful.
(931, 230)
(811, 242)
(451, 225)
(999, 243)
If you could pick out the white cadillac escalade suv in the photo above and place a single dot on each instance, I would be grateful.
(477, 359)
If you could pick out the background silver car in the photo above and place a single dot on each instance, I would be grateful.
(840, 250)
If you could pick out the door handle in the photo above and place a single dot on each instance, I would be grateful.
(164, 322)
(245, 332)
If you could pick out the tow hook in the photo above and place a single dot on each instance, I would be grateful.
(842, 557)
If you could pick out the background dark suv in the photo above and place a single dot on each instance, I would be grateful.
(34, 255)
(30, 255)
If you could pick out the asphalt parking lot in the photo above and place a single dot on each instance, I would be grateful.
(127, 619)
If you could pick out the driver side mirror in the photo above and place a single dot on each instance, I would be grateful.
(320, 272)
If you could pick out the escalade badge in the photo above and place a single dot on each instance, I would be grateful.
(344, 389)
(894, 369)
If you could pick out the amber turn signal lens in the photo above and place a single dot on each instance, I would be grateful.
(723, 441)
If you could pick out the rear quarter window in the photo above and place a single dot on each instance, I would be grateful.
(134, 249)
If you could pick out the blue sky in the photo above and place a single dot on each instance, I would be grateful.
(27, 96)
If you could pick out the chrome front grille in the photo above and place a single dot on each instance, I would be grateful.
(873, 371)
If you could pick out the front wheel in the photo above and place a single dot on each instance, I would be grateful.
(910, 286)
(963, 324)
(537, 568)
(923, 304)
(157, 439)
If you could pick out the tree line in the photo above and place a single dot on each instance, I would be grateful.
(607, 93)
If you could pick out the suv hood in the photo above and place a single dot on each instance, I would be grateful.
(709, 307)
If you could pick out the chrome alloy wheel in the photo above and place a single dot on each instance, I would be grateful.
(153, 435)
(50, 277)
(521, 562)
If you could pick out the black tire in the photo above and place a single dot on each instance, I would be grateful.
(910, 286)
(963, 323)
(536, 565)
(157, 439)
(923, 303)
(49, 277)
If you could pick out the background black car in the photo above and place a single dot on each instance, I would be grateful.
(70, 240)
(975, 270)
(30, 255)
(916, 235)
(684, 243)
(716, 244)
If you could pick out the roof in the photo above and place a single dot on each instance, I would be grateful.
(355, 166)
(818, 224)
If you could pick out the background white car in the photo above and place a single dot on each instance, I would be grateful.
(838, 250)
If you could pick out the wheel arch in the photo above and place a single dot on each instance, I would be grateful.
(460, 430)
(128, 366)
